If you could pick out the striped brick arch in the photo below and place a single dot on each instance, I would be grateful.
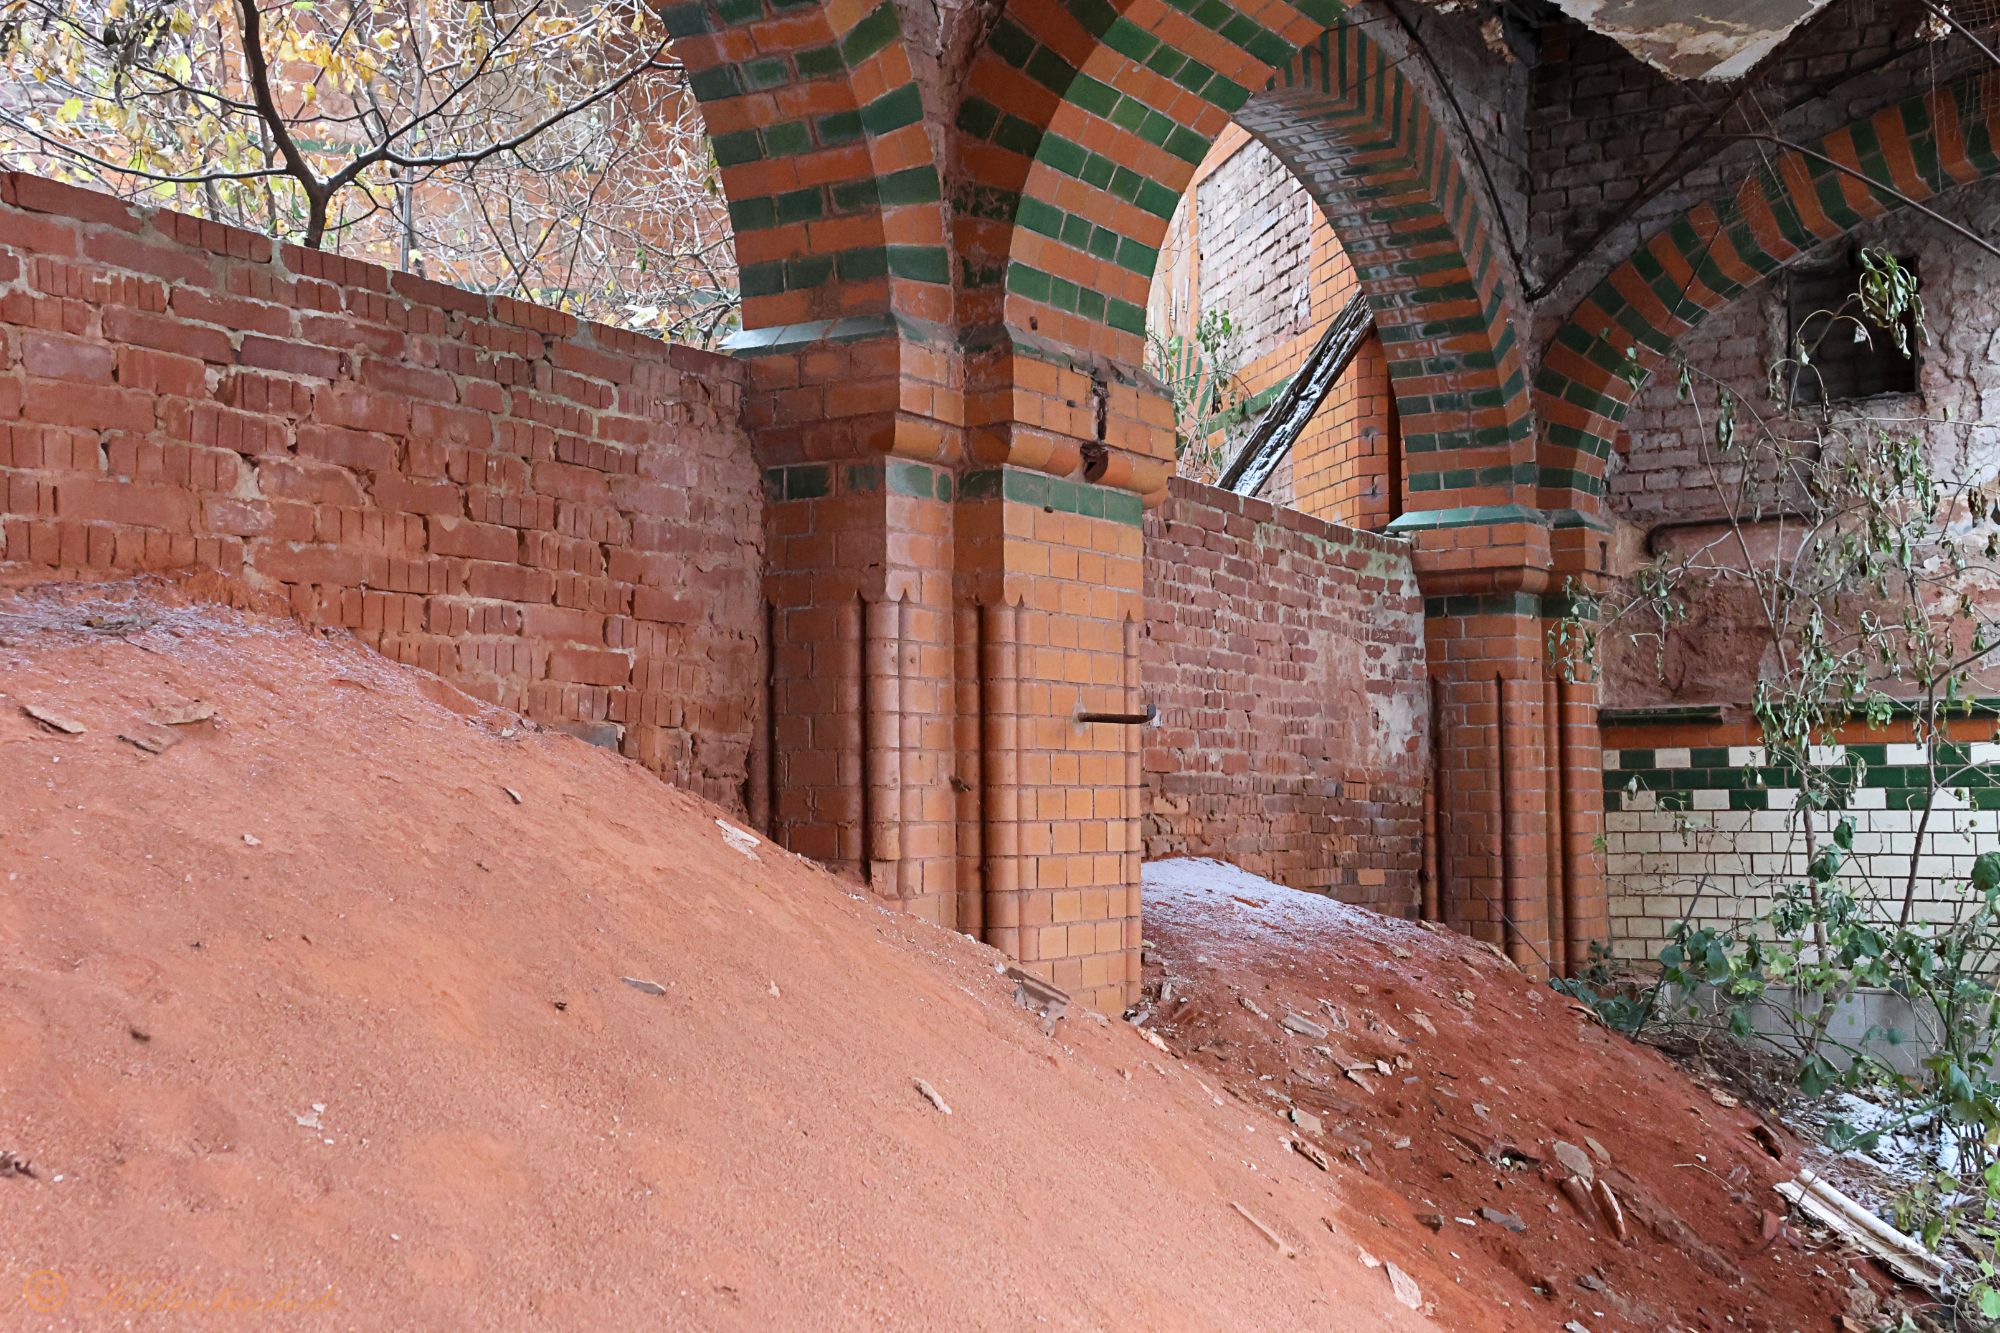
(1719, 249)
(1126, 113)
(818, 129)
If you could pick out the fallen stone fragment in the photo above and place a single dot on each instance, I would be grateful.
(1573, 1327)
(1722, 1098)
(775, 993)
(742, 840)
(54, 721)
(151, 737)
(1465, 997)
(1507, 1220)
(1310, 1153)
(1435, 1221)
(1591, 1282)
(1360, 1078)
(1251, 1005)
(1405, 1287)
(1768, 1141)
(1154, 1039)
(514, 794)
(1423, 1021)
(252, 840)
(1305, 1027)
(1399, 951)
(1367, 1260)
(1578, 1194)
(650, 987)
(1276, 1240)
(1574, 1161)
(1603, 1153)
(1305, 1120)
(12, 1164)
(180, 714)
(931, 1095)
(1614, 1215)
(1039, 996)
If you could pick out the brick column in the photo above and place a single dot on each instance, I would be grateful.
(941, 613)
(1516, 765)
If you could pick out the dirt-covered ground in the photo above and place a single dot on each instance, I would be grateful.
(313, 1008)
(1465, 1076)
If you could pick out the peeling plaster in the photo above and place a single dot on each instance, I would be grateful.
(1684, 40)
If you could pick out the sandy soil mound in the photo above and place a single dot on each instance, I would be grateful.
(304, 1017)
(1449, 1143)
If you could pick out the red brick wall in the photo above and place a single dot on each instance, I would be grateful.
(1286, 655)
(563, 519)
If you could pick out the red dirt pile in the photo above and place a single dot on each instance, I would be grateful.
(307, 1008)
(1442, 1156)
(313, 1007)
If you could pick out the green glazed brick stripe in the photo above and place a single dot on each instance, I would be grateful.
(1052, 493)
(1904, 786)
(1468, 516)
(1524, 604)
(921, 481)
(982, 120)
(1089, 238)
(920, 263)
(1464, 478)
(1045, 66)
(1065, 295)
(896, 476)
(792, 138)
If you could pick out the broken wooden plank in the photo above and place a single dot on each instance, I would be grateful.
(1870, 1233)
(1287, 418)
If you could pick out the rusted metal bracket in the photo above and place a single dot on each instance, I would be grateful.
(1286, 421)
(1123, 719)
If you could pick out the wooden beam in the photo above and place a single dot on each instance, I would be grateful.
(1286, 421)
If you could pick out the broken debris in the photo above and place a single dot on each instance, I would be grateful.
(1405, 1287)
(151, 737)
(1305, 1027)
(1614, 1214)
(742, 840)
(1827, 1205)
(1039, 996)
(650, 987)
(180, 714)
(1575, 1162)
(931, 1095)
(53, 721)
(1507, 1220)
(1276, 1240)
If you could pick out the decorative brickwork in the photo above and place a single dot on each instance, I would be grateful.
(1719, 819)
(1286, 657)
(1721, 248)
(560, 519)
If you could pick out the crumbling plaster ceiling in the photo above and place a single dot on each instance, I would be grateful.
(1694, 39)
